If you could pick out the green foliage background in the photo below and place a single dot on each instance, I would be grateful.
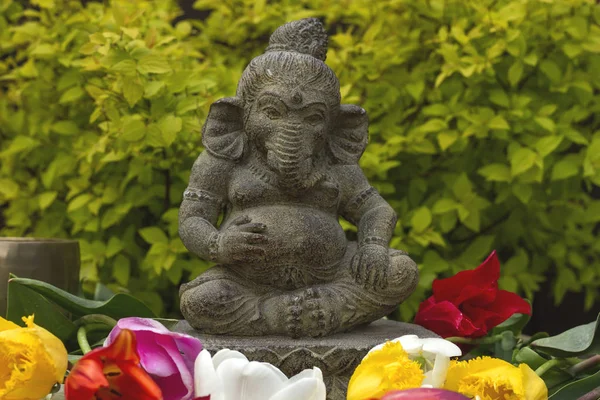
(485, 130)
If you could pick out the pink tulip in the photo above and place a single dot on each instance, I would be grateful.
(423, 394)
(168, 357)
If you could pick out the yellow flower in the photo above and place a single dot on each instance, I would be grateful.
(32, 360)
(384, 369)
(495, 379)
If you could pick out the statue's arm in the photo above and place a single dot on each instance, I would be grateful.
(203, 202)
(362, 205)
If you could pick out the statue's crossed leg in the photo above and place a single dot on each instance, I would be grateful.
(222, 302)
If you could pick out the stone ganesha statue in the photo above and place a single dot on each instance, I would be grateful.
(280, 167)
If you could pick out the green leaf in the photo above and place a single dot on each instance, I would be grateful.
(444, 205)
(515, 323)
(152, 88)
(132, 91)
(500, 98)
(122, 269)
(133, 130)
(79, 202)
(71, 95)
(169, 127)
(421, 219)
(24, 301)
(415, 89)
(437, 110)
(495, 173)
(523, 192)
(125, 67)
(565, 168)
(515, 72)
(583, 339)
(548, 144)
(121, 305)
(522, 160)
(577, 389)
(551, 70)
(46, 199)
(20, 144)
(433, 125)
(546, 123)
(153, 63)
(498, 122)
(153, 235)
(65, 128)
(447, 139)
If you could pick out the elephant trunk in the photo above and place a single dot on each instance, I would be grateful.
(290, 155)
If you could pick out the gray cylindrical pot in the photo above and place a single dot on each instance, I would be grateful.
(55, 261)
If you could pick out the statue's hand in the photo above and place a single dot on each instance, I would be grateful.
(241, 241)
(370, 265)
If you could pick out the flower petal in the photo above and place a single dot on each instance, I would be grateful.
(122, 348)
(188, 345)
(135, 383)
(206, 381)
(226, 354)
(441, 346)
(436, 377)
(303, 389)
(85, 379)
(535, 387)
(230, 374)
(259, 382)
(6, 325)
(484, 276)
(445, 319)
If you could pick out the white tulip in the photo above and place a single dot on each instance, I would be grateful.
(230, 376)
(432, 353)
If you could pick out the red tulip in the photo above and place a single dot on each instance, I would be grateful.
(469, 304)
(424, 394)
(111, 373)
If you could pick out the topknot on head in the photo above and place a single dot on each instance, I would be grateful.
(305, 36)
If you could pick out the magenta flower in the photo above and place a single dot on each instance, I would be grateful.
(168, 357)
(424, 394)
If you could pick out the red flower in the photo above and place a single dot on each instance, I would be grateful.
(469, 304)
(111, 372)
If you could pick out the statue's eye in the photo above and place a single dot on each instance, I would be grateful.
(314, 119)
(272, 113)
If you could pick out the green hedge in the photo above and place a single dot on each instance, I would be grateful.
(484, 128)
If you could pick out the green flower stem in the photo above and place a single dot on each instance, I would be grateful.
(545, 367)
(82, 332)
(487, 340)
(585, 364)
(84, 345)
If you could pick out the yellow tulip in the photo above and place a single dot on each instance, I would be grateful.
(495, 379)
(382, 370)
(32, 360)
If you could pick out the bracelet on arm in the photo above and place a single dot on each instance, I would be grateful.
(213, 246)
(374, 240)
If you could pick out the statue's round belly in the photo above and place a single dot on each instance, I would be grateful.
(297, 235)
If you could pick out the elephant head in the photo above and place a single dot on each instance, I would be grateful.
(294, 132)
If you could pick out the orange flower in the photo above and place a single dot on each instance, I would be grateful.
(112, 372)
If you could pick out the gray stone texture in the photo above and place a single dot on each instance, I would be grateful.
(280, 167)
(336, 355)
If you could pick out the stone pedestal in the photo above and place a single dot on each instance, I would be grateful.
(336, 355)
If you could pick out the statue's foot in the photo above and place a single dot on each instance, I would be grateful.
(310, 313)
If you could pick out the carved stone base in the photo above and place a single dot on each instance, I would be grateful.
(337, 355)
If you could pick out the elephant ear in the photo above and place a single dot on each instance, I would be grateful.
(223, 133)
(349, 137)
